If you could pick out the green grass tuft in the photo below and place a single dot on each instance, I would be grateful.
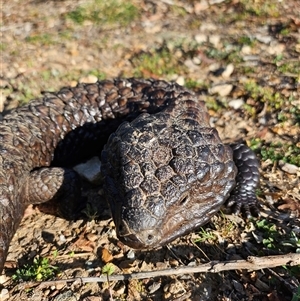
(105, 12)
(39, 270)
(289, 153)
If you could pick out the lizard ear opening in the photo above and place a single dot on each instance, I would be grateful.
(184, 200)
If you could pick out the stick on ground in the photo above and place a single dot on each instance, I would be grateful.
(252, 263)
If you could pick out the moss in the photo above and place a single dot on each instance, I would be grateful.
(289, 153)
(289, 67)
(245, 40)
(43, 39)
(158, 62)
(212, 103)
(230, 55)
(254, 10)
(261, 8)
(194, 85)
(100, 75)
(264, 94)
(3, 46)
(105, 12)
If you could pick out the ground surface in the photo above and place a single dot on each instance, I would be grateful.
(243, 58)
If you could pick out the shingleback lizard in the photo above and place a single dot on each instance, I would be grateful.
(166, 171)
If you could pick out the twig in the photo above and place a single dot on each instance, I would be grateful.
(252, 263)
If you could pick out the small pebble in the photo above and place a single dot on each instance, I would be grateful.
(246, 49)
(196, 60)
(154, 287)
(130, 254)
(62, 238)
(250, 58)
(222, 90)
(214, 39)
(200, 6)
(2, 99)
(90, 170)
(4, 294)
(89, 263)
(201, 38)
(212, 2)
(180, 80)
(228, 71)
(173, 262)
(276, 48)
(190, 65)
(192, 264)
(90, 79)
(263, 39)
(3, 279)
(289, 168)
(161, 265)
(236, 103)
(92, 236)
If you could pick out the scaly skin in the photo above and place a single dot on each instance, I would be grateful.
(166, 173)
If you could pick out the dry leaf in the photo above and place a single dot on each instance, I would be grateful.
(106, 256)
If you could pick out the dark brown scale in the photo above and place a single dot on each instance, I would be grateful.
(166, 171)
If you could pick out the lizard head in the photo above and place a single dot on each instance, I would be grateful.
(163, 178)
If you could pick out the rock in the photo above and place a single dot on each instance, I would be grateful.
(289, 168)
(130, 254)
(4, 294)
(207, 26)
(196, 60)
(3, 279)
(154, 287)
(90, 79)
(201, 38)
(90, 170)
(228, 71)
(250, 58)
(214, 67)
(222, 90)
(62, 238)
(190, 65)
(2, 99)
(236, 103)
(200, 6)
(276, 48)
(215, 40)
(180, 80)
(246, 49)
(263, 39)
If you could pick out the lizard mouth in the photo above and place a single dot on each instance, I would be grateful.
(145, 239)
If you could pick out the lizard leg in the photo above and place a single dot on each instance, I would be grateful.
(60, 185)
(243, 197)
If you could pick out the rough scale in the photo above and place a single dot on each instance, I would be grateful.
(166, 170)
